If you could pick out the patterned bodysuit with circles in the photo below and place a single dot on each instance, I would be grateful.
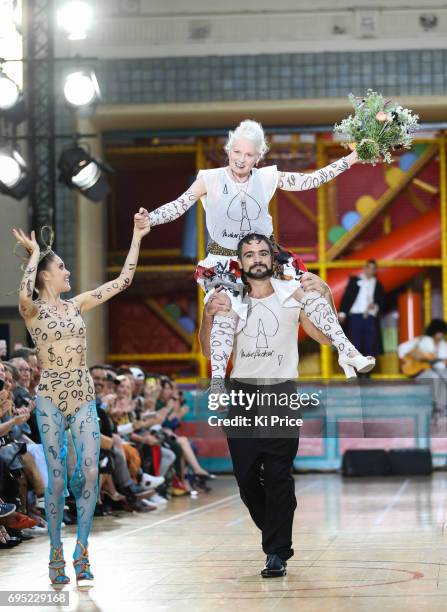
(61, 346)
(66, 401)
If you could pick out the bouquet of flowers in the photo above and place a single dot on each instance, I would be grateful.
(377, 127)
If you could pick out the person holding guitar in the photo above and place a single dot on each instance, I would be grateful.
(425, 357)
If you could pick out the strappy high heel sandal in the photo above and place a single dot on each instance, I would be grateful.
(359, 362)
(84, 577)
(56, 567)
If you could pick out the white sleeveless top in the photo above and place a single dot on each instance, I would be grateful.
(230, 213)
(267, 347)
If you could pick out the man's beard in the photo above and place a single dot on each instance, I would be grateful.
(265, 273)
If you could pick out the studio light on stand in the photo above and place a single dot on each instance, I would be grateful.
(12, 104)
(14, 179)
(81, 91)
(78, 170)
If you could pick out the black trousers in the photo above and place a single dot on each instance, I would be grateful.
(263, 470)
(363, 332)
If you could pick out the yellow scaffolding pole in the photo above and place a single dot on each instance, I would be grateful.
(150, 253)
(443, 185)
(299, 205)
(325, 354)
(170, 322)
(200, 163)
(154, 150)
(136, 357)
(155, 268)
(382, 263)
(328, 265)
(274, 212)
(427, 300)
(301, 249)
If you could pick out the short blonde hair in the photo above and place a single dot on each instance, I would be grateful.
(251, 130)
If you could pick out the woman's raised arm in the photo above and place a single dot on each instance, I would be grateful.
(300, 181)
(90, 299)
(175, 209)
(27, 308)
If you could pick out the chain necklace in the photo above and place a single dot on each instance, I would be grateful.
(242, 192)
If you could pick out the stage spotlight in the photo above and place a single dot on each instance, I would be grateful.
(81, 89)
(17, 12)
(9, 92)
(14, 180)
(12, 104)
(78, 170)
(75, 19)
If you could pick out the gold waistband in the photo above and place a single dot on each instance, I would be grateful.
(215, 249)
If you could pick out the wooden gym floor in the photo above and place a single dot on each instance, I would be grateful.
(360, 545)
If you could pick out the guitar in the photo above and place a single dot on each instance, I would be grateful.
(416, 362)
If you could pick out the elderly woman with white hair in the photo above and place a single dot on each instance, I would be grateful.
(236, 202)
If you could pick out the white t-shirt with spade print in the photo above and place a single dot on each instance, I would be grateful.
(267, 347)
(234, 210)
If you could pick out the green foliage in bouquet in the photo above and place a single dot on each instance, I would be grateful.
(378, 127)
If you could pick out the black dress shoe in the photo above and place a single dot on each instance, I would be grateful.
(199, 481)
(24, 537)
(100, 510)
(10, 543)
(134, 492)
(275, 567)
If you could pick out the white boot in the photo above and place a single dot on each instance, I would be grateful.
(359, 362)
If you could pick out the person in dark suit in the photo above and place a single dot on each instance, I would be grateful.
(361, 305)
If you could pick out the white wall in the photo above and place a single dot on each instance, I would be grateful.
(12, 214)
(91, 259)
(156, 28)
(215, 7)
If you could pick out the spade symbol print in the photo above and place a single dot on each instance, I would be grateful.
(245, 224)
(245, 211)
(261, 340)
(262, 324)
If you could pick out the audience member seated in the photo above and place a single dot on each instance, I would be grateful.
(132, 426)
(29, 355)
(112, 454)
(19, 476)
(168, 401)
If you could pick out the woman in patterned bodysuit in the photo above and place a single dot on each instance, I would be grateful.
(65, 396)
(236, 200)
